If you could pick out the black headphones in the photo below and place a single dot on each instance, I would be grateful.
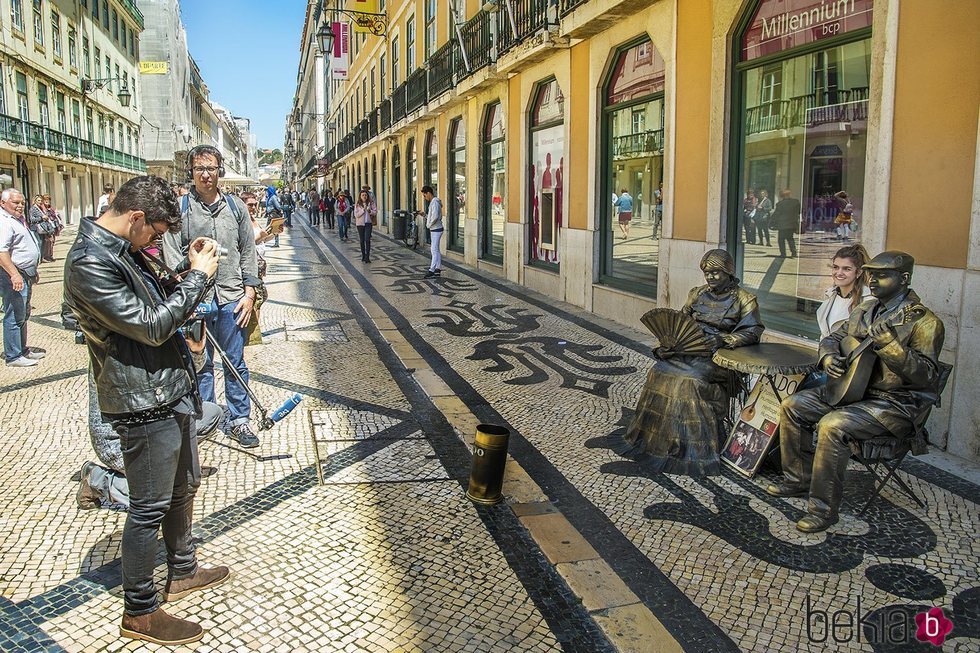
(200, 150)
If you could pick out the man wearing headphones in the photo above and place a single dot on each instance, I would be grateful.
(207, 212)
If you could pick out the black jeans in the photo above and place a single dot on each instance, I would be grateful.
(364, 235)
(328, 214)
(314, 216)
(164, 472)
(787, 236)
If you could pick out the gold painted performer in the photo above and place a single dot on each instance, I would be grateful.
(679, 420)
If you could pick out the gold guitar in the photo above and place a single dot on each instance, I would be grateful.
(860, 362)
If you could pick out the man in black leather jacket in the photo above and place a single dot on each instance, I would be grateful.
(147, 390)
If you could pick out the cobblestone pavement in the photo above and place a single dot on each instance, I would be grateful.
(589, 553)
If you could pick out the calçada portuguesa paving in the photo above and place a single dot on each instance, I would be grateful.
(587, 553)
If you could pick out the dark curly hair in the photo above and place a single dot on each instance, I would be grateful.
(152, 196)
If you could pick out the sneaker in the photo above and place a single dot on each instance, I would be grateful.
(428, 275)
(35, 354)
(87, 497)
(243, 434)
(23, 361)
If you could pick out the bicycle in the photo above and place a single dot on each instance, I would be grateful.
(411, 237)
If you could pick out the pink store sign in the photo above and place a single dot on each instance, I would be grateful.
(779, 25)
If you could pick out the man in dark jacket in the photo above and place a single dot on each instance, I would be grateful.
(785, 219)
(147, 392)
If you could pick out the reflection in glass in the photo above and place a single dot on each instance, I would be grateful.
(805, 129)
(633, 212)
(493, 212)
(457, 181)
(547, 173)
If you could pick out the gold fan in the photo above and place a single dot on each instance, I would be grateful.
(677, 332)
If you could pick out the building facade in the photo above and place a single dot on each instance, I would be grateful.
(306, 124)
(531, 118)
(58, 135)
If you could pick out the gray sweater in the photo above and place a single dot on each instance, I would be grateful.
(236, 270)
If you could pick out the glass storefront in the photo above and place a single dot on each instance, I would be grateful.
(412, 176)
(457, 184)
(801, 156)
(546, 174)
(396, 179)
(493, 211)
(632, 216)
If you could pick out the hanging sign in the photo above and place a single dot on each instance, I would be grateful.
(368, 19)
(341, 42)
(779, 25)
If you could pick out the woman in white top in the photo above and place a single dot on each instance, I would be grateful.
(849, 289)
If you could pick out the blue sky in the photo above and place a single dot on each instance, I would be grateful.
(248, 52)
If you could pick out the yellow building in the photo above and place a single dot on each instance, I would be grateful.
(69, 109)
(532, 117)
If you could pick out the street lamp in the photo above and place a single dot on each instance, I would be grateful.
(377, 24)
(124, 95)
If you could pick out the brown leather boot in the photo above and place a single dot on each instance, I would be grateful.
(202, 579)
(160, 628)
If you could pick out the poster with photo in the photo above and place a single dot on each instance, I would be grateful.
(756, 424)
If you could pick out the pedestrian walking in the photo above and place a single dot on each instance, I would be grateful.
(433, 222)
(20, 256)
(144, 381)
(206, 212)
(253, 334)
(39, 223)
(288, 206)
(365, 214)
(785, 219)
(624, 205)
(343, 209)
(749, 205)
(313, 198)
(273, 209)
(762, 212)
(330, 206)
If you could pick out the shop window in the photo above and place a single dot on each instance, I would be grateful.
(411, 173)
(396, 179)
(456, 171)
(432, 160)
(493, 209)
(382, 190)
(546, 173)
(801, 125)
(633, 126)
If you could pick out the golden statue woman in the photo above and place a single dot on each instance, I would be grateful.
(679, 420)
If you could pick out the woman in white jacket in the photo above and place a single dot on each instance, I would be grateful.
(849, 289)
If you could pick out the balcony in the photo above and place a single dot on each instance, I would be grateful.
(399, 102)
(441, 66)
(416, 93)
(809, 110)
(632, 146)
(386, 115)
(476, 41)
(530, 17)
(373, 120)
(568, 6)
(38, 137)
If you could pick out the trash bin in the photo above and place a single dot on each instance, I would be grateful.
(399, 222)
(489, 460)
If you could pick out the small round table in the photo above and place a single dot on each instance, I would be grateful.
(766, 359)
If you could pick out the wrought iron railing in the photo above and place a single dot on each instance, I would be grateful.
(386, 114)
(416, 94)
(812, 109)
(477, 41)
(39, 137)
(399, 102)
(648, 143)
(373, 119)
(567, 6)
(530, 16)
(441, 67)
